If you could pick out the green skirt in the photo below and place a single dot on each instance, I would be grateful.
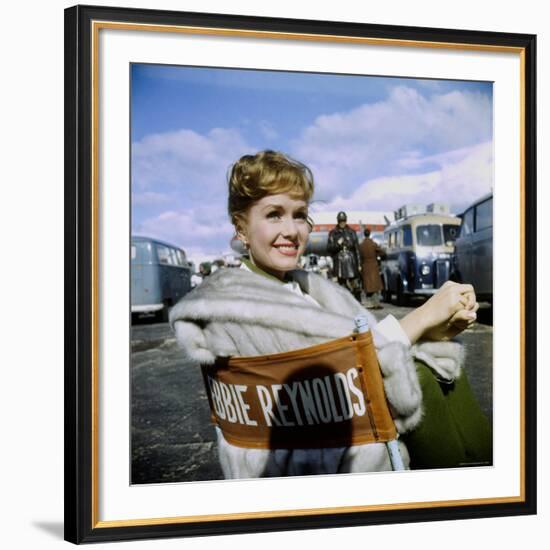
(453, 432)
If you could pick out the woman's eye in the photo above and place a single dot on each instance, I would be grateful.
(276, 215)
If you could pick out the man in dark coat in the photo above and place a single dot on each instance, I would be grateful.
(343, 246)
(372, 282)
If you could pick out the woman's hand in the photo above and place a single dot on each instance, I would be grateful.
(447, 313)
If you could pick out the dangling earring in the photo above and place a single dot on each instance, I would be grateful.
(244, 241)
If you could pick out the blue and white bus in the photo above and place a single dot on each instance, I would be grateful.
(419, 253)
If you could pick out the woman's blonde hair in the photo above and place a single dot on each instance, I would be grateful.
(254, 177)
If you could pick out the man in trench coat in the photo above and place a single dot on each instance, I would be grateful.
(372, 282)
(343, 246)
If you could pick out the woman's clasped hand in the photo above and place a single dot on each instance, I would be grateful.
(448, 312)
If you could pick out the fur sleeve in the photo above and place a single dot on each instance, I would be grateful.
(192, 342)
(444, 358)
(401, 385)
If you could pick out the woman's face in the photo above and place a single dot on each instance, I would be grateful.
(276, 231)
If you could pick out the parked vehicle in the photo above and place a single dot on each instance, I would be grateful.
(474, 248)
(377, 237)
(160, 275)
(419, 253)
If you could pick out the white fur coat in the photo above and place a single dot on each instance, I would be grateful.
(239, 313)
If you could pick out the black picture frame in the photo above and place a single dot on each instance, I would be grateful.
(81, 523)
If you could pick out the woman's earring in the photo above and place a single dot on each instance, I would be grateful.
(242, 238)
(245, 242)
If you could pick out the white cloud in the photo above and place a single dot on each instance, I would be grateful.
(197, 235)
(463, 176)
(180, 186)
(150, 198)
(344, 149)
(186, 159)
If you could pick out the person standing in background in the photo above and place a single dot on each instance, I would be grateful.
(372, 282)
(343, 246)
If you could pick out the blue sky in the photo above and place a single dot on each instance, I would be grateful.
(373, 143)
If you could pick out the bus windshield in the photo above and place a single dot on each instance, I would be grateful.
(428, 235)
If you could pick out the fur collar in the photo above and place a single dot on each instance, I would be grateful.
(235, 295)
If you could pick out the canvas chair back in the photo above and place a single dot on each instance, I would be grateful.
(328, 395)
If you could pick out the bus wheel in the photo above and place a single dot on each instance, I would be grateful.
(162, 316)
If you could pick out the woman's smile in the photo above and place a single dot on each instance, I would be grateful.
(287, 249)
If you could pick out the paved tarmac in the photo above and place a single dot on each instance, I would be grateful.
(172, 437)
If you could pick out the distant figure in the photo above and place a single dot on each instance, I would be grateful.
(372, 282)
(343, 246)
(217, 264)
(205, 269)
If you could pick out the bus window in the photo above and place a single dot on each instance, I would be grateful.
(428, 235)
(467, 223)
(163, 254)
(173, 257)
(484, 215)
(140, 252)
(181, 258)
(450, 233)
(407, 235)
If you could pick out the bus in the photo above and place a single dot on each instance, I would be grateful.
(160, 276)
(474, 248)
(419, 254)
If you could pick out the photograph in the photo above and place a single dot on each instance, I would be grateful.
(332, 196)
